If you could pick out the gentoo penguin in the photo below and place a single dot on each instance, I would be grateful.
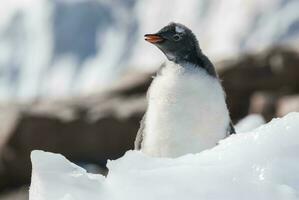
(186, 111)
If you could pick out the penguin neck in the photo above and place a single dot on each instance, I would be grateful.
(196, 59)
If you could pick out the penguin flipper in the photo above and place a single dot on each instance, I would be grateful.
(140, 134)
(231, 129)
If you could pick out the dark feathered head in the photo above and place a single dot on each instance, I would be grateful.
(176, 41)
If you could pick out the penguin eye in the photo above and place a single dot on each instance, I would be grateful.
(176, 37)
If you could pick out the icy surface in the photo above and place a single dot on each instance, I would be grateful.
(262, 164)
(63, 47)
(249, 123)
(54, 177)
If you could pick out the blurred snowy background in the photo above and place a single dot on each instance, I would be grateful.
(53, 48)
(73, 73)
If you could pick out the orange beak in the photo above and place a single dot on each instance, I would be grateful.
(153, 38)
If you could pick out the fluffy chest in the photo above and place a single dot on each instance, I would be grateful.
(176, 86)
(186, 112)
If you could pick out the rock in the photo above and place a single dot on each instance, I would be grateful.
(287, 104)
(16, 194)
(8, 118)
(263, 103)
(275, 70)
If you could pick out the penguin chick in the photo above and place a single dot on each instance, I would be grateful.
(186, 111)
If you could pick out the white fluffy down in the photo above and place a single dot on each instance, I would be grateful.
(261, 164)
(186, 112)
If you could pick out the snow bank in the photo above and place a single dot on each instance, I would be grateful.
(249, 123)
(54, 177)
(261, 164)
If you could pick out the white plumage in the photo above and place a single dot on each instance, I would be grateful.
(186, 112)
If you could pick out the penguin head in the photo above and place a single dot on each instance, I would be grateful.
(176, 41)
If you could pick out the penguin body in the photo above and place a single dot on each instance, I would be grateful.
(186, 111)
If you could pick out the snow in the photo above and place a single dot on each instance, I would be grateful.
(64, 180)
(249, 123)
(260, 164)
(83, 45)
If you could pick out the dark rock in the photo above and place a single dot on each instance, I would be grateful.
(287, 104)
(263, 103)
(275, 70)
(16, 194)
